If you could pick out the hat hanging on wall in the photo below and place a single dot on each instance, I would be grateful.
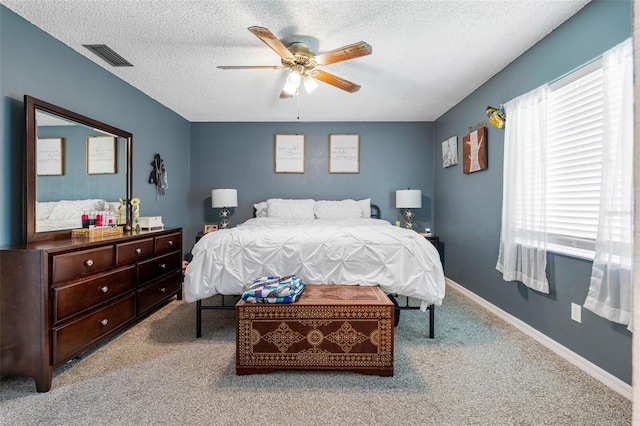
(496, 116)
(158, 176)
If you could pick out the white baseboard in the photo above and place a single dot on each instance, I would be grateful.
(585, 365)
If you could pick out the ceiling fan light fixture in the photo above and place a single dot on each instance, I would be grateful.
(292, 83)
(290, 88)
(294, 78)
(309, 83)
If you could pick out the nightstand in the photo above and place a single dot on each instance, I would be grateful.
(432, 239)
(436, 242)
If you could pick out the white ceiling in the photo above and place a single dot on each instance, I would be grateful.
(427, 56)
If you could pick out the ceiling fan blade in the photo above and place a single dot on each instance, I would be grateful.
(272, 41)
(344, 53)
(285, 95)
(250, 67)
(333, 80)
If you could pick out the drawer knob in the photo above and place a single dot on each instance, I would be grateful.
(104, 289)
(138, 250)
(163, 266)
(170, 242)
(89, 262)
(163, 290)
(104, 321)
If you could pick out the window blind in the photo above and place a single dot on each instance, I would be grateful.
(574, 159)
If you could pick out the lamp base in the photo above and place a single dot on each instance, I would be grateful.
(224, 215)
(408, 218)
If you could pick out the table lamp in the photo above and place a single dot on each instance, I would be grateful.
(222, 199)
(408, 199)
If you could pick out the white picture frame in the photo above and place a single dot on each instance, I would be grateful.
(50, 156)
(289, 153)
(450, 152)
(344, 153)
(101, 155)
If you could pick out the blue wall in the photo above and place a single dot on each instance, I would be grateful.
(464, 210)
(468, 207)
(241, 156)
(34, 63)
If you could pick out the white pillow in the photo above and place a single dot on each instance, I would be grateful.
(365, 206)
(290, 209)
(261, 209)
(343, 209)
(73, 209)
(44, 208)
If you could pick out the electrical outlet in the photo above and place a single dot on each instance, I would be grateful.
(576, 313)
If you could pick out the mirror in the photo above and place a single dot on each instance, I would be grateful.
(74, 165)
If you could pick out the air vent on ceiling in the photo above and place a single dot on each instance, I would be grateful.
(106, 53)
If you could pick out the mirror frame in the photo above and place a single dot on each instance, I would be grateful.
(31, 105)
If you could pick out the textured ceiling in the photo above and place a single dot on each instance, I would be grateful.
(427, 56)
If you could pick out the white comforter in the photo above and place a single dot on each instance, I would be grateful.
(354, 251)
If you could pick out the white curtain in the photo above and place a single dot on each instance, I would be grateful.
(523, 237)
(610, 291)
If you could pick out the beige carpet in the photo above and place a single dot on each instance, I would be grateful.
(477, 371)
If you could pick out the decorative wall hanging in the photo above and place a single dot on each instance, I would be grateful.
(101, 155)
(450, 152)
(158, 176)
(344, 153)
(474, 151)
(289, 153)
(50, 157)
(496, 116)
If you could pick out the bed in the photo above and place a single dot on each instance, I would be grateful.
(322, 242)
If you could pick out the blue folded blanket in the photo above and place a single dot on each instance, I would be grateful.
(274, 290)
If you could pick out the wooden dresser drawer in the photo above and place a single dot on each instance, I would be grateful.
(158, 266)
(134, 251)
(158, 291)
(73, 338)
(81, 263)
(168, 243)
(73, 298)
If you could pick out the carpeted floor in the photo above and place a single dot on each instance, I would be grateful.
(477, 371)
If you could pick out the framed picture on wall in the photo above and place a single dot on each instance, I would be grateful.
(289, 153)
(101, 155)
(474, 151)
(450, 152)
(344, 153)
(50, 157)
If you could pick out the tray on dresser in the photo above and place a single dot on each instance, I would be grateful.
(107, 231)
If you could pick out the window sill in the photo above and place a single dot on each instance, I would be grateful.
(571, 252)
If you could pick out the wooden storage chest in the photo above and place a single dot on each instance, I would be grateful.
(331, 327)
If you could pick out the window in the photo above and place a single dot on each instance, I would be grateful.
(573, 128)
(568, 181)
(574, 160)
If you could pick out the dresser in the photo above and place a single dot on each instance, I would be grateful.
(61, 297)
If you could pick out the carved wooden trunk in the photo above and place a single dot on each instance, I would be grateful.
(331, 327)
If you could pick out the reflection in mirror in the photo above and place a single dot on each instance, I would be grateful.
(94, 177)
(74, 166)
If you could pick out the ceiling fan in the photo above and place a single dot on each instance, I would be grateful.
(303, 63)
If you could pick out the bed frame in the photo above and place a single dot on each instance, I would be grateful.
(375, 214)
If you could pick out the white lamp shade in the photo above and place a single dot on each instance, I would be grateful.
(224, 198)
(408, 199)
